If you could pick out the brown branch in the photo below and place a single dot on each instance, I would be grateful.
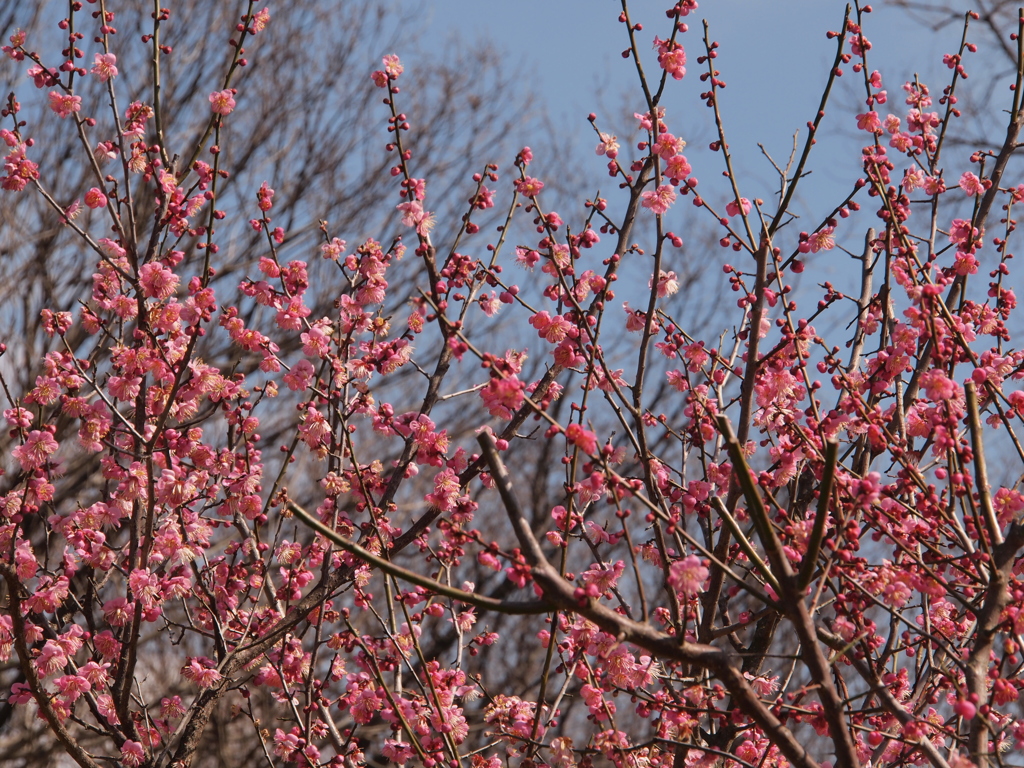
(16, 593)
(483, 602)
(715, 660)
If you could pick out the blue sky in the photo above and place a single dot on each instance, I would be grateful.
(773, 55)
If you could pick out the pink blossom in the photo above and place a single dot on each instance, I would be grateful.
(104, 66)
(265, 197)
(333, 250)
(97, 674)
(72, 211)
(43, 77)
(822, 240)
(158, 282)
(582, 438)
(118, 611)
(446, 490)
(960, 231)
(132, 754)
(677, 168)
(934, 185)
(660, 199)
(912, 179)
(18, 417)
(636, 319)
(71, 687)
(671, 57)
(733, 209)
(65, 104)
(938, 386)
(528, 186)
(392, 66)
(503, 396)
(608, 145)
(222, 102)
(399, 752)
(972, 185)
(687, 576)
(965, 709)
(51, 658)
(21, 693)
(17, 41)
(922, 122)
(260, 21)
(552, 329)
(965, 263)
(668, 146)
(18, 170)
(38, 447)
(526, 258)
(95, 198)
(484, 199)
(668, 284)
(415, 216)
(299, 376)
(870, 122)
(201, 671)
(490, 303)
(172, 707)
(412, 212)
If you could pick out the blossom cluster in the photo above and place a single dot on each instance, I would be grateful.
(744, 545)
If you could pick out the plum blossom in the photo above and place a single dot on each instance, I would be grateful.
(668, 146)
(299, 377)
(503, 396)
(95, 198)
(260, 21)
(938, 386)
(528, 186)
(201, 671)
(733, 209)
(21, 693)
(71, 212)
(972, 185)
(677, 168)
(65, 104)
(659, 200)
(671, 57)
(687, 576)
(104, 66)
(71, 687)
(158, 282)
(18, 170)
(526, 258)
(333, 250)
(934, 185)
(668, 284)
(913, 178)
(38, 447)
(582, 438)
(222, 102)
(960, 231)
(822, 240)
(446, 490)
(609, 146)
(51, 658)
(399, 752)
(392, 66)
(132, 754)
(870, 122)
